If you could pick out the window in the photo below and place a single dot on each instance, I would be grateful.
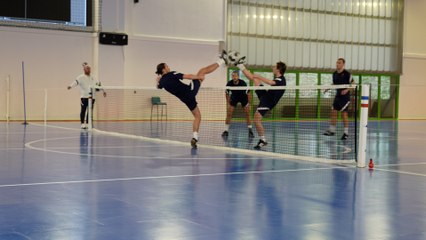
(56, 14)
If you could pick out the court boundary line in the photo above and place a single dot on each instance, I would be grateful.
(401, 172)
(169, 177)
(29, 145)
(282, 156)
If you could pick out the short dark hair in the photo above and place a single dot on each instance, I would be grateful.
(160, 68)
(236, 72)
(342, 59)
(282, 67)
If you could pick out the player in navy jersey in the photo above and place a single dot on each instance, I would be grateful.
(233, 97)
(171, 81)
(341, 100)
(268, 99)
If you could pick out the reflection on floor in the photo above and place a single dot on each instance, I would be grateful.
(60, 182)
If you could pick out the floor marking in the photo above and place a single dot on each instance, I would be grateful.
(29, 145)
(169, 177)
(248, 152)
(401, 172)
(400, 164)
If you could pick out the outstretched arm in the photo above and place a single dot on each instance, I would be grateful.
(265, 80)
(73, 84)
(254, 77)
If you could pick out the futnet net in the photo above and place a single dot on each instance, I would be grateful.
(293, 129)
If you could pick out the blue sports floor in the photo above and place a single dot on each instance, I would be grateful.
(60, 182)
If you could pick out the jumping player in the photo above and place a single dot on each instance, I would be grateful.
(171, 81)
(233, 97)
(341, 100)
(268, 99)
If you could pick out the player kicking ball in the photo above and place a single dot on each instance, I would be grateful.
(268, 99)
(171, 81)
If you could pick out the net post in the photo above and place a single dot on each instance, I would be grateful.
(23, 93)
(363, 124)
(89, 115)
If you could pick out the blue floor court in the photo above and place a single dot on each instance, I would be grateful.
(60, 182)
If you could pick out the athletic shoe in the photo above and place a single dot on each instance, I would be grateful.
(242, 60)
(344, 136)
(251, 134)
(328, 133)
(83, 126)
(194, 142)
(260, 144)
(224, 56)
(225, 134)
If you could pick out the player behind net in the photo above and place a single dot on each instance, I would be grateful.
(268, 99)
(233, 97)
(341, 100)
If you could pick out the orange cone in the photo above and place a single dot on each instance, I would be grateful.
(371, 164)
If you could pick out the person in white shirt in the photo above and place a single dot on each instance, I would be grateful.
(86, 82)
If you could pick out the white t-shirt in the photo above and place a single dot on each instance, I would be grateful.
(86, 84)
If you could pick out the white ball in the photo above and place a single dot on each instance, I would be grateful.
(233, 56)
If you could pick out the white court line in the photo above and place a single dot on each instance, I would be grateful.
(109, 147)
(248, 152)
(281, 156)
(401, 172)
(29, 145)
(401, 164)
(168, 177)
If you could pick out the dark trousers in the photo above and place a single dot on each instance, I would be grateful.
(84, 114)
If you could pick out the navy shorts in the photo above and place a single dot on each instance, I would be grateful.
(341, 104)
(267, 102)
(188, 96)
(243, 100)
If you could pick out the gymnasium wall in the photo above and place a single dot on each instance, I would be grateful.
(185, 34)
(413, 79)
(180, 33)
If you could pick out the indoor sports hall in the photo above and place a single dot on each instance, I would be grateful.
(126, 166)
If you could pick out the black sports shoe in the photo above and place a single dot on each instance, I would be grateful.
(251, 134)
(242, 60)
(225, 133)
(260, 144)
(344, 136)
(328, 133)
(194, 142)
(224, 56)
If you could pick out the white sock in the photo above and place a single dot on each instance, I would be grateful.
(241, 67)
(227, 127)
(196, 135)
(221, 62)
(346, 130)
(332, 128)
(249, 126)
(263, 138)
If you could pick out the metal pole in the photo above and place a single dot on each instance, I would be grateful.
(90, 108)
(23, 92)
(363, 124)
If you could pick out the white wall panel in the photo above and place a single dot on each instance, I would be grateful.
(179, 19)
